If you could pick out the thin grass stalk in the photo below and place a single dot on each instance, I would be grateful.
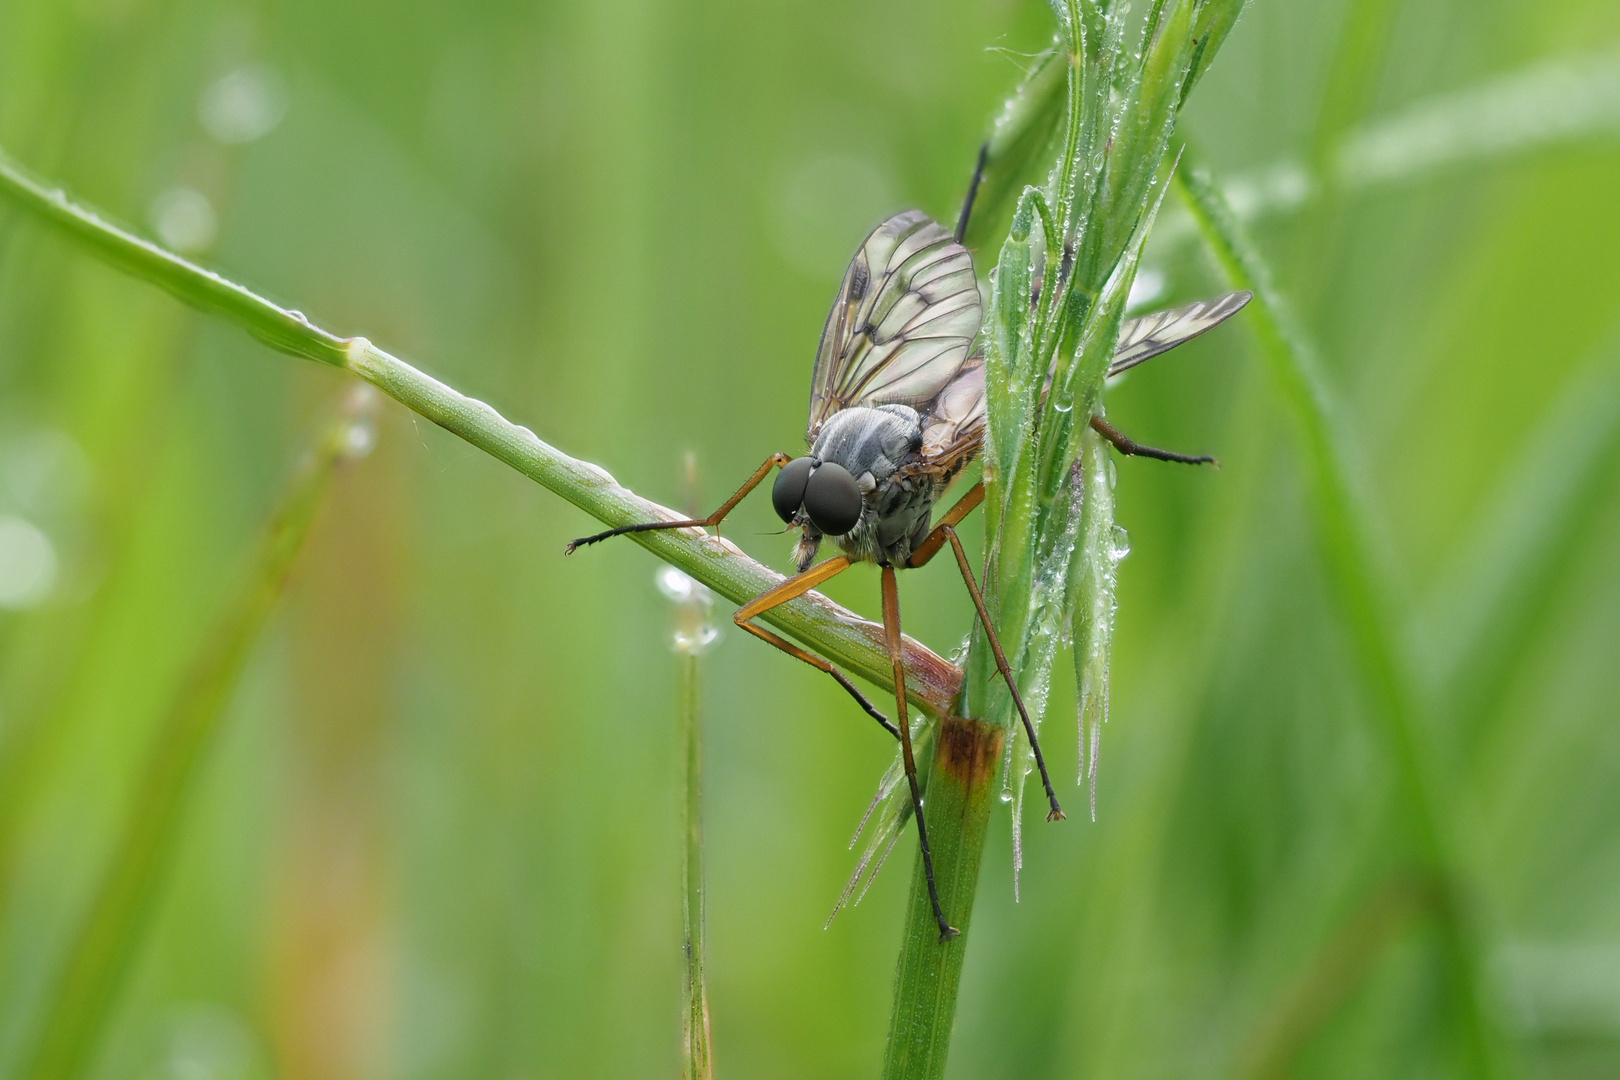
(833, 631)
(109, 940)
(1365, 599)
(697, 1059)
(694, 633)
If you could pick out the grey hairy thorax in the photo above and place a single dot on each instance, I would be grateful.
(876, 445)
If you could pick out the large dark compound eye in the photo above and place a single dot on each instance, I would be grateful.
(832, 499)
(788, 494)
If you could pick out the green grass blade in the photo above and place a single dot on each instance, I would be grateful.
(280, 328)
(1485, 612)
(1365, 599)
(1332, 976)
(1352, 79)
(108, 942)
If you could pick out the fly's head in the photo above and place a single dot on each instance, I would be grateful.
(819, 497)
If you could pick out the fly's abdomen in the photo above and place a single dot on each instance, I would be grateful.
(903, 511)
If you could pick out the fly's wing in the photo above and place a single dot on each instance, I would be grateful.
(953, 425)
(903, 324)
(1147, 337)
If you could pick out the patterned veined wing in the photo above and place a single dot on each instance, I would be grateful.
(953, 424)
(1147, 337)
(902, 328)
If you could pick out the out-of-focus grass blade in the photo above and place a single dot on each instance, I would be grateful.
(697, 1056)
(1353, 73)
(1549, 102)
(1485, 611)
(1365, 599)
(694, 634)
(109, 940)
(1546, 102)
(1020, 143)
(1333, 975)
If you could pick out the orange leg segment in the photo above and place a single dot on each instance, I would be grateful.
(788, 590)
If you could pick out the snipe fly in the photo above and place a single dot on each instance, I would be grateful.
(897, 410)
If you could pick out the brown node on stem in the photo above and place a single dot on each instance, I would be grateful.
(968, 750)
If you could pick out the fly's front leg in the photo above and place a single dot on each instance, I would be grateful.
(788, 590)
(891, 636)
(946, 531)
(712, 521)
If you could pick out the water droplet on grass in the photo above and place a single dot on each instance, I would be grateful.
(694, 631)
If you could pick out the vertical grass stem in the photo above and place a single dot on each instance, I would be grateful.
(697, 1061)
(694, 633)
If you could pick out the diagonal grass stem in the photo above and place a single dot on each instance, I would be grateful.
(835, 632)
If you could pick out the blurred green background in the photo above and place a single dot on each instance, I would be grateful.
(437, 836)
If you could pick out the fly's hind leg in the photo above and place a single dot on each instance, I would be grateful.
(798, 586)
(1131, 448)
(781, 594)
(972, 193)
(891, 636)
(946, 531)
(712, 521)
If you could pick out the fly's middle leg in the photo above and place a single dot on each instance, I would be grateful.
(781, 594)
(1131, 448)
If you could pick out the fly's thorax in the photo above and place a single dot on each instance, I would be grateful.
(872, 443)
